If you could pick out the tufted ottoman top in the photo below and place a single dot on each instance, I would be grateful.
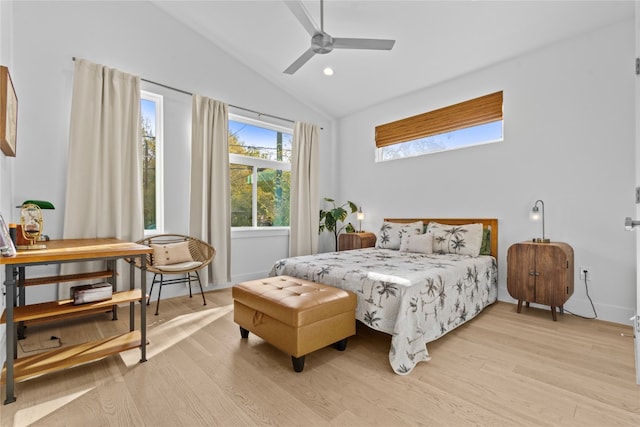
(293, 301)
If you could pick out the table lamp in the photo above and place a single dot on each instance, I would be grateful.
(360, 217)
(535, 215)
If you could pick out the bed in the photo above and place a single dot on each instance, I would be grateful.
(407, 292)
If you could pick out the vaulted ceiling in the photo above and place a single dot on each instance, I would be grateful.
(435, 40)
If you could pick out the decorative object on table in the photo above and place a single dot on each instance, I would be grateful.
(8, 113)
(7, 248)
(536, 214)
(32, 224)
(91, 293)
(330, 219)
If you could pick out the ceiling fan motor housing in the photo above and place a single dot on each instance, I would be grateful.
(322, 43)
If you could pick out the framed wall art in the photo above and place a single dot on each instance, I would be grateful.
(8, 113)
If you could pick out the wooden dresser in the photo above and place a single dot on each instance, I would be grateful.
(541, 273)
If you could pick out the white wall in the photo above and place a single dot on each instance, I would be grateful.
(569, 140)
(139, 38)
(6, 163)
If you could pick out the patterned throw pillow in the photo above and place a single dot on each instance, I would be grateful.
(391, 233)
(172, 253)
(417, 243)
(456, 239)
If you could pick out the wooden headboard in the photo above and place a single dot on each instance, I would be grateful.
(491, 223)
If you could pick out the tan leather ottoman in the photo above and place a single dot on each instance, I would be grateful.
(295, 315)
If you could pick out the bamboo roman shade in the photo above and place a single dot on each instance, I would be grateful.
(474, 112)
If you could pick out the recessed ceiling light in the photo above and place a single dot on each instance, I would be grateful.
(328, 71)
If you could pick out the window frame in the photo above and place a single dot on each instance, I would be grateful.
(463, 115)
(255, 163)
(159, 178)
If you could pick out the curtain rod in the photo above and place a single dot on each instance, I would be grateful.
(230, 105)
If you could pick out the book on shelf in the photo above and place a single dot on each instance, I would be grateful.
(91, 293)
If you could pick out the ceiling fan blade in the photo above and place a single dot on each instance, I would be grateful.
(376, 44)
(301, 13)
(300, 61)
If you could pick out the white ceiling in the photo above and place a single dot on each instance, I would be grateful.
(435, 40)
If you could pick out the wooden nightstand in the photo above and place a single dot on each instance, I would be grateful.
(348, 241)
(540, 273)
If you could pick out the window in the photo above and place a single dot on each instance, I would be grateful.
(260, 170)
(151, 117)
(473, 122)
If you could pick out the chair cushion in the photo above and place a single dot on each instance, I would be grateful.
(179, 266)
(172, 253)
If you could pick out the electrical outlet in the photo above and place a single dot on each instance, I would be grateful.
(585, 271)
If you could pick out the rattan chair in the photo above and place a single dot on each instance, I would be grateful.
(201, 255)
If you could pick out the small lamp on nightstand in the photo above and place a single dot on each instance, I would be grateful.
(536, 214)
(360, 217)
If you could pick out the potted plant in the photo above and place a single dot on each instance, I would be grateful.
(330, 219)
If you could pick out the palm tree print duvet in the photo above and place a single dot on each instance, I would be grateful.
(416, 298)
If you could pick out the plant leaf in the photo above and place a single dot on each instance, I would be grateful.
(339, 213)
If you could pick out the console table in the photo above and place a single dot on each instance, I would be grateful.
(59, 252)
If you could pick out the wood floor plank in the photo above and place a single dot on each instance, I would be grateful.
(500, 369)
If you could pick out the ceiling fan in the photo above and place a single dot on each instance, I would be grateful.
(322, 42)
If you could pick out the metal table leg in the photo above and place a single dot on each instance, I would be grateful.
(10, 284)
(143, 308)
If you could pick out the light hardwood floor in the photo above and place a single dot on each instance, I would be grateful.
(500, 369)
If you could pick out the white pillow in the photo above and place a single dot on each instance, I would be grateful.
(172, 253)
(417, 243)
(391, 233)
(456, 239)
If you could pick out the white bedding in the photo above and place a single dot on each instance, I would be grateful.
(414, 297)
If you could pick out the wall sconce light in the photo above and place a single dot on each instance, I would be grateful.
(360, 217)
(536, 214)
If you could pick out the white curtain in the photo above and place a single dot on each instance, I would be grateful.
(210, 202)
(104, 193)
(305, 205)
